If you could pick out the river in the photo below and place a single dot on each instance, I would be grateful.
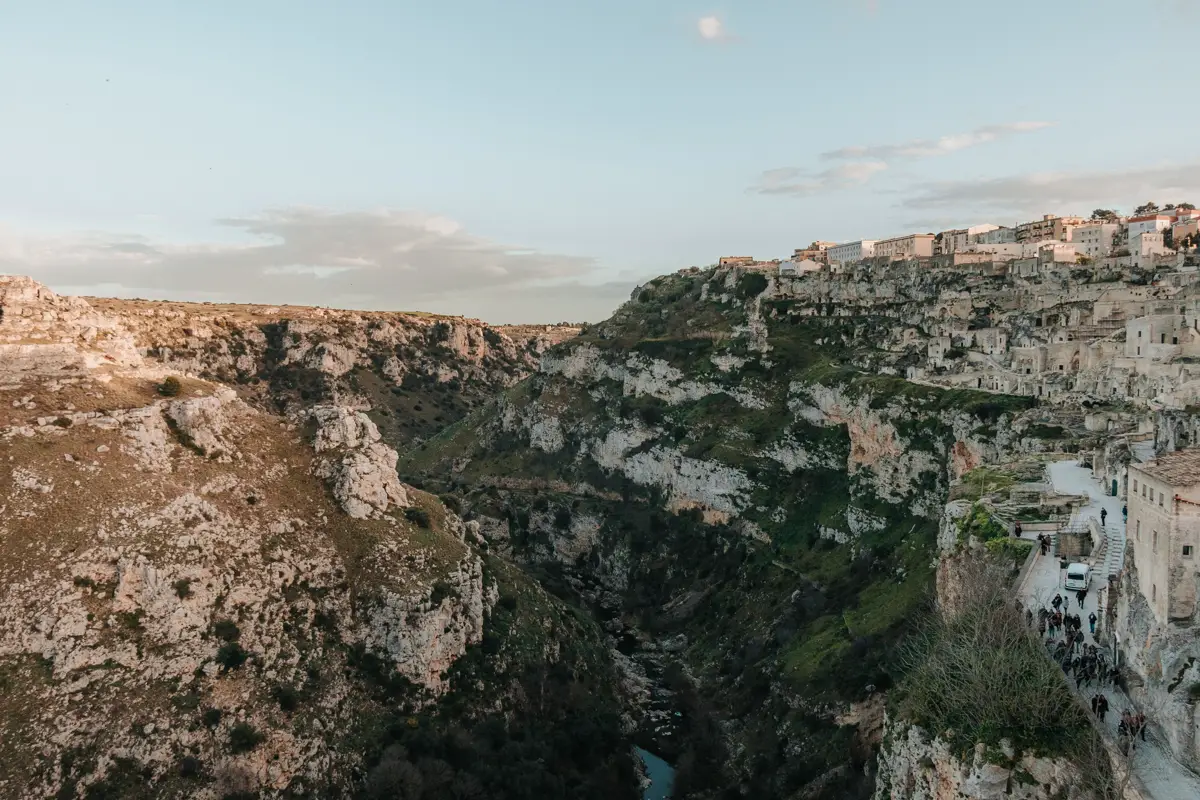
(662, 776)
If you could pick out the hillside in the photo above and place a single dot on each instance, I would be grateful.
(201, 598)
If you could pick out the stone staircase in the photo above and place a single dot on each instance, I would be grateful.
(1110, 557)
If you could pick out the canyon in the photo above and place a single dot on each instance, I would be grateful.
(285, 551)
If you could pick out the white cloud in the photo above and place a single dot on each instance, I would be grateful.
(800, 183)
(388, 259)
(927, 148)
(711, 28)
(1075, 192)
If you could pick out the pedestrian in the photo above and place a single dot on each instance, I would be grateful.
(1092, 623)
(1125, 513)
(1056, 602)
(1079, 597)
(1042, 627)
(1096, 703)
(1102, 706)
(1103, 516)
(1017, 530)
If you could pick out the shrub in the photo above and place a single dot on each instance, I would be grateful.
(226, 629)
(562, 519)
(211, 717)
(243, 738)
(190, 767)
(183, 588)
(417, 516)
(287, 697)
(170, 387)
(231, 656)
(441, 590)
(956, 662)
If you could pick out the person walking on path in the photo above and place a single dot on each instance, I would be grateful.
(1092, 623)
(1101, 706)
(1056, 602)
(1096, 704)
(1017, 530)
(1103, 516)
(1125, 514)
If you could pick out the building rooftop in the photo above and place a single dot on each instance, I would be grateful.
(1181, 468)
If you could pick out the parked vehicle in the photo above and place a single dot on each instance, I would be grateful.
(1078, 577)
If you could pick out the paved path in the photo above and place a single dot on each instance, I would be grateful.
(1161, 776)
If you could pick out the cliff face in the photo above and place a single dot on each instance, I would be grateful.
(415, 373)
(729, 482)
(206, 598)
(915, 766)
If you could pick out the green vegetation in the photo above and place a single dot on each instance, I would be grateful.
(170, 387)
(956, 662)
(231, 656)
(980, 523)
(243, 738)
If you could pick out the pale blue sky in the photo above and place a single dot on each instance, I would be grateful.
(610, 139)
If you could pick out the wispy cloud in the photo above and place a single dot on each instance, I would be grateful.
(1034, 192)
(928, 148)
(864, 162)
(801, 183)
(372, 260)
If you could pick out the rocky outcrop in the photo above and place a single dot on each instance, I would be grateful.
(915, 766)
(361, 469)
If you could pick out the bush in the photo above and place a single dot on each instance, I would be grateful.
(183, 588)
(418, 516)
(211, 717)
(170, 387)
(441, 590)
(190, 767)
(243, 738)
(231, 656)
(226, 629)
(287, 697)
(562, 519)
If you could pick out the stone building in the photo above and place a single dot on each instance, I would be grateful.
(851, 252)
(914, 245)
(1164, 531)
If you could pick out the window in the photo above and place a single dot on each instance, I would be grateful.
(1135, 484)
(1143, 490)
(1153, 592)
(1160, 499)
(1139, 334)
(1155, 545)
(1138, 530)
(1187, 551)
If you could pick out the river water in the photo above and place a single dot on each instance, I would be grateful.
(662, 776)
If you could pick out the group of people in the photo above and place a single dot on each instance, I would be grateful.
(1133, 724)
(1059, 621)
(1043, 542)
(1085, 663)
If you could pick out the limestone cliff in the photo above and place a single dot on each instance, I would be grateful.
(915, 766)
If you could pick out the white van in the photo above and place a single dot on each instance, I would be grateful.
(1078, 576)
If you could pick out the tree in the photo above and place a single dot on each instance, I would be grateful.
(1146, 208)
(1104, 214)
(1185, 207)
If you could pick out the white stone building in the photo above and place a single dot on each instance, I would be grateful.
(851, 252)
(998, 235)
(1095, 239)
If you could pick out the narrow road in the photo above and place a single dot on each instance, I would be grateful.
(1160, 775)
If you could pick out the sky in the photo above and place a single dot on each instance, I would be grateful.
(534, 160)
